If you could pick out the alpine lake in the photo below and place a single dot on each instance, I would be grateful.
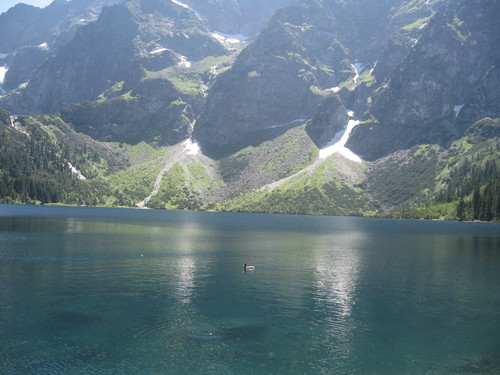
(124, 291)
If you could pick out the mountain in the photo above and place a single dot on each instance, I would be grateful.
(437, 103)
(30, 35)
(307, 52)
(342, 107)
(25, 25)
(119, 46)
(130, 67)
(238, 17)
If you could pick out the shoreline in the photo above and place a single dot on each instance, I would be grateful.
(243, 212)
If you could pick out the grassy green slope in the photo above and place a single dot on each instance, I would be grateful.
(320, 190)
(43, 160)
(190, 184)
(458, 183)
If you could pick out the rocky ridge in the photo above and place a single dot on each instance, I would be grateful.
(417, 76)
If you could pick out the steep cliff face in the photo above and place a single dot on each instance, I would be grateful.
(29, 36)
(22, 64)
(26, 25)
(330, 117)
(433, 95)
(130, 72)
(116, 48)
(308, 51)
(151, 112)
(98, 57)
(15, 31)
(276, 80)
(246, 17)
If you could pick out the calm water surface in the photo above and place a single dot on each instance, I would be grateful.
(115, 291)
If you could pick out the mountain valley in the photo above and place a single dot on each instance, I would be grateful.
(342, 107)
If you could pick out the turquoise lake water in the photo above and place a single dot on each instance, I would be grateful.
(117, 291)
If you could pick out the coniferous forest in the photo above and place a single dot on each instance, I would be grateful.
(384, 109)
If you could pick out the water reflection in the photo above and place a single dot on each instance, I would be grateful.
(338, 266)
(185, 265)
(328, 296)
(185, 274)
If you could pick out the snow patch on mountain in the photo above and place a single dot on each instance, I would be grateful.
(158, 50)
(184, 63)
(76, 172)
(229, 39)
(3, 71)
(298, 121)
(191, 147)
(186, 7)
(333, 89)
(358, 68)
(337, 144)
(457, 109)
(15, 124)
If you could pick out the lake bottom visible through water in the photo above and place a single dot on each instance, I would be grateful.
(117, 291)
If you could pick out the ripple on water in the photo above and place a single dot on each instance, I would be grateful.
(53, 357)
(149, 328)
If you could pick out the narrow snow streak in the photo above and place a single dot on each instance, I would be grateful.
(186, 7)
(457, 109)
(296, 121)
(158, 50)
(358, 68)
(76, 172)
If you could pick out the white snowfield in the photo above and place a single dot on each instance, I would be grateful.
(191, 147)
(3, 71)
(337, 144)
(229, 39)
